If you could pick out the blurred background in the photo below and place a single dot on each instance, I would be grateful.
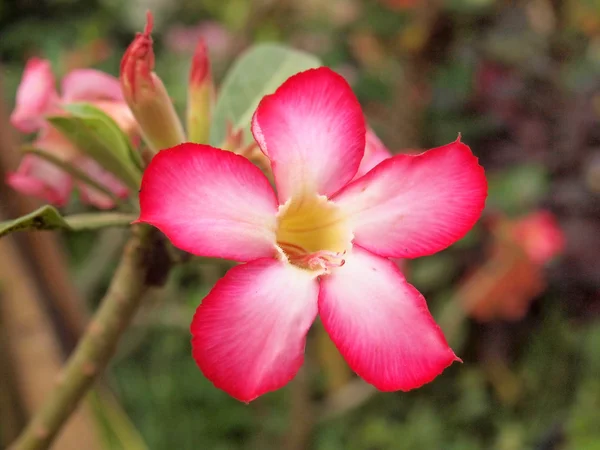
(518, 298)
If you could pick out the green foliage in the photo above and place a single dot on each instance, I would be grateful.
(518, 189)
(255, 74)
(116, 430)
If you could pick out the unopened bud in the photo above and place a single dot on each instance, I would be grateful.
(201, 96)
(233, 138)
(146, 95)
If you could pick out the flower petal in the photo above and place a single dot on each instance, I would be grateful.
(121, 114)
(89, 85)
(375, 152)
(411, 206)
(210, 202)
(381, 324)
(313, 131)
(42, 179)
(93, 196)
(249, 333)
(36, 96)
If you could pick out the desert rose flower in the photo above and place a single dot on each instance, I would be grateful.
(320, 245)
(37, 98)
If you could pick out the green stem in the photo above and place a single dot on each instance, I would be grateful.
(93, 221)
(98, 344)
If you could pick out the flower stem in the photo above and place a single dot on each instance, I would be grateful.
(93, 221)
(98, 344)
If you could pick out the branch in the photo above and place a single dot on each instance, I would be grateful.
(131, 280)
(93, 221)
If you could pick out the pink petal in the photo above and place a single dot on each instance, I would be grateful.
(313, 131)
(54, 142)
(381, 324)
(121, 114)
(93, 196)
(39, 178)
(411, 206)
(89, 85)
(210, 202)
(249, 333)
(36, 96)
(375, 152)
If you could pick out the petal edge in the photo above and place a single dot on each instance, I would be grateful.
(381, 324)
(249, 333)
(410, 206)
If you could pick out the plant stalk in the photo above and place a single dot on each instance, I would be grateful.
(97, 345)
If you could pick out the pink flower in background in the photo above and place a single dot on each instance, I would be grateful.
(504, 286)
(540, 236)
(319, 245)
(37, 98)
(218, 39)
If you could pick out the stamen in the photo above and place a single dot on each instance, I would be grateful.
(312, 233)
(322, 260)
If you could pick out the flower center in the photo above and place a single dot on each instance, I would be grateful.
(312, 233)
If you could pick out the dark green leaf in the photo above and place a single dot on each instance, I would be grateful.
(45, 218)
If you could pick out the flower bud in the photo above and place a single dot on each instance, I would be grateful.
(146, 95)
(201, 95)
(233, 138)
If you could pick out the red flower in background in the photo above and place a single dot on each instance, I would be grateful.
(505, 286)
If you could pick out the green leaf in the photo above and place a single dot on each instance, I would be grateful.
(45, 218)
(256, 73)
(100, 137)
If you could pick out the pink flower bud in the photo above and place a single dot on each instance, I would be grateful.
(146, 95)
(201, 95)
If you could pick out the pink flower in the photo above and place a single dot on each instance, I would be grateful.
(36, 98)
(182, 39)
(320, 245)
(540, 236)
